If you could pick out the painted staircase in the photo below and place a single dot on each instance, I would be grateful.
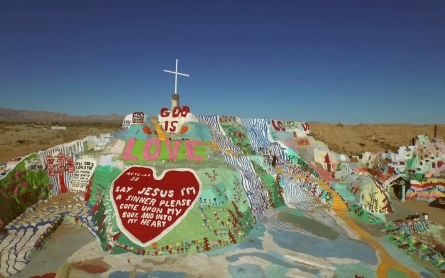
(159, 131)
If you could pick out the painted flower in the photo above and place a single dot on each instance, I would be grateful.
(184, 129)
(146, 130)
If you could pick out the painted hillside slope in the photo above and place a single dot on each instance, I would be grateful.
(207, 180)
(175, 183)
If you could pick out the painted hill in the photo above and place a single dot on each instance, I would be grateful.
(182, 184)
(209, 195)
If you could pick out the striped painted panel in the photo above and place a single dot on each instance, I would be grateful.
(221, 140)
(74, 150)
(265, 164)
(347, 166)
(296, 196)
(293, 194)
(257, 129)
(276, 149)
(11, 261)
(18, 245)
(270, 219)
(257, 195)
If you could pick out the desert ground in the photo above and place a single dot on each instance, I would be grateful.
(349, 139)
(18, 139)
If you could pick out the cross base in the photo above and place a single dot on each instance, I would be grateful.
(175, 101)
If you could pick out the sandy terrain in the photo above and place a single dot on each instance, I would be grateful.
(19, 139)
(373, 138)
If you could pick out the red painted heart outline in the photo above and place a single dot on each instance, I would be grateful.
(155, 177)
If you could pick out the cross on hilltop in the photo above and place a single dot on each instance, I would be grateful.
(176, 73)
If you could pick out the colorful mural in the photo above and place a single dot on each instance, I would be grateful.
(427, 190)
(180, 183)
(370, 195)
(21, 189)
(421, 167)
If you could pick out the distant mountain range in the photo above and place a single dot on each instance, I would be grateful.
(11, 115)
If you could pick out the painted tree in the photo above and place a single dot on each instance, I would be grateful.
(327, 160)
(374, 205)
(206, 245)
(231, 237)
(271, 199)
(59, 167)
(60, 172)
(387, 203)
(314, 190)
(280, 191)
(264, 203)
(234, 219)
(238, 213)
(87, 195)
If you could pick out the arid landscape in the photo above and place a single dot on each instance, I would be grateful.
(23, 132)
(349, 139)
(18, 139)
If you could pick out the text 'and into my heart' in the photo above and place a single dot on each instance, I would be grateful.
(138, 206)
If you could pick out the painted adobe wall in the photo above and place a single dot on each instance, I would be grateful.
(426, 190)
(61, 169)
(370, 195)
(419, 164)
(23, 184)
(55, 170)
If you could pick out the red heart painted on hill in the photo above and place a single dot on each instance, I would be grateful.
(148, 207)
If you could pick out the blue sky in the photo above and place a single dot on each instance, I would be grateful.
(355, 61)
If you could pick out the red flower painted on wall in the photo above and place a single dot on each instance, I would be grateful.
(146, 130)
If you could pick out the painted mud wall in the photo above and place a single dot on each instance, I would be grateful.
(21, 188)
(370, 195)
(422, 166)
(28, 179)
(426, 190)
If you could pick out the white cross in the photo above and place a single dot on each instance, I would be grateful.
(176, 73)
